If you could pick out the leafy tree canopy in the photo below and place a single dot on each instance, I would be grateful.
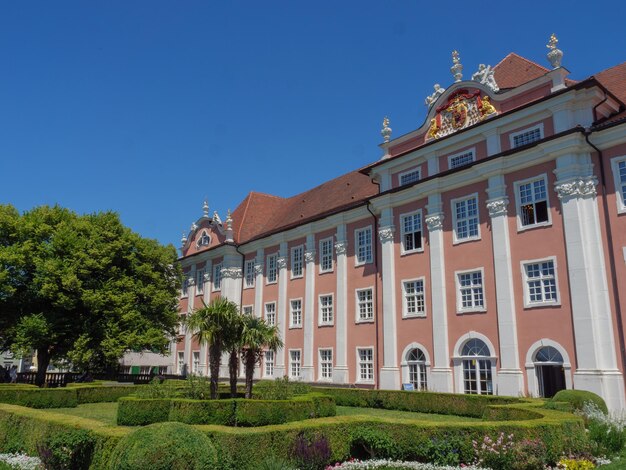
(83, 288)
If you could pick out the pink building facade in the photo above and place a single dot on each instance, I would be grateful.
(485, 252)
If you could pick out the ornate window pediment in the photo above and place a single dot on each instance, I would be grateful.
(204, 239)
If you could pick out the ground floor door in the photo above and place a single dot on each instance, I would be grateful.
(551, 379)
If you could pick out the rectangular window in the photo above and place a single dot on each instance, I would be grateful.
(181, 363)
(326, 255)
(465, 213)
(217, 276)
(365, 305)
(272, 268)
(326, 364)
(269, 363)
(247, 310)
(414, 298)
(533, 202)
(294, 363)
(470, 291)
(527, 136)
(410, 177)
(540, 283)
(184, 292)
(366, 364)
(411, 232)
(363, 245)
(297, 253)
(195, 365)
(296, 313)
(199, 281)
(461, 159)
(249, 273)
(621, 168)
(270, 313)
(326, 310)
(619, 173)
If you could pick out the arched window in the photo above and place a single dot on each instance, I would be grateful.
(204, 239)
(416, 361)
(549, 354)
(549, 369)
(477, 368)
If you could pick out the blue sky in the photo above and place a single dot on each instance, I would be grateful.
(148, 107)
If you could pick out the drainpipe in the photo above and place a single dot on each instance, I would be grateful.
(376, 310)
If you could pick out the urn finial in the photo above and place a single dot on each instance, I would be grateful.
(386, 130)
(457, 68)
(554, 55)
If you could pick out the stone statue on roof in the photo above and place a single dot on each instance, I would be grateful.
(485, 75)
(432, 98)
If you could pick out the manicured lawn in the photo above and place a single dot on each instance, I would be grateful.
(352, 411)
(105, 412)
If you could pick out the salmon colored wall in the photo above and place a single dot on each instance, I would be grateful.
(548, 130)
(480, 152)
(294, 338)
(395, 178)
(531, 95)
(216, 238)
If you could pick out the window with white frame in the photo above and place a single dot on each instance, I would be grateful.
(465, 213)
(364, 305)
(181, 363)
(476, 368)
(249, 273)
(619, 173)
(195, 364)
(297, 254)
(272, 269)
(247, 310)
(326, 310)
(366, 364)
(540, 283)
(410, 177)
(532, 199)
(416, 363)
(460, 159)
(326, 255)
(326, 364)
(470, 291)
(270, 313)
(200, 281)
(413, 298)
(269, 363)
(296, 313)
(363, 244)
(217, 276)
(295, 363)
(411, 232)
(527, 136)
(184, 290)
(204, 239)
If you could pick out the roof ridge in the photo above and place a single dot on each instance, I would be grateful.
(259, 193)
(324, 183)
(524, 59)
(243, 217)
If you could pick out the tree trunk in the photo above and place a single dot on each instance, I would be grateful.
(43, 361)
(215, 359)
(233, 365)
(250, 362)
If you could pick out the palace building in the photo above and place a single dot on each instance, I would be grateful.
(484, 253)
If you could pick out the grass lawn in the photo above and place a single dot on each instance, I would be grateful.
(105, 412)
(619, 462)
(380, 413)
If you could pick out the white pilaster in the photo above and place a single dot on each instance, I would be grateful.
(340, 370)
(232, 277)
(432, 164)
(259, 283)
(441, 373)
(510, 376)
(308, 371)
(493, 141)
(281, 308)
(591, 308)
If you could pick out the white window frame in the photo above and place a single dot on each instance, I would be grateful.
(266, 363)
(265, 305)
(292, 363)
(249, 274)
(512, 135)
(320, 376)
(455, 239)
(459, 298)
(326, 256)
(357, 246)
(321, 321)
(195, 366)
(358, 318)
(202, 236)
(184, 286)
(271, 269)
(551, 303)
(217, 277)
(292, 324)
(200, 281)
(405, 313)
(619, 193)
(460, 154)
(403, 250)
(518, 202)
(180, 362)
(297, 252)
(359, 363)
(417, 170)
(245, 307)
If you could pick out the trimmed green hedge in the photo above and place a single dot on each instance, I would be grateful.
(101, 394)
(575, 399)
(133, 411)
(70, 397)
(473, 406)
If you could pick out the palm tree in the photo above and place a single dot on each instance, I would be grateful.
(233, 344)
(211, 325)
(257, 336)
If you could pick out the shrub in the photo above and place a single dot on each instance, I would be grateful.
(39, 397)
(100, 394)
(311, 454)
(139, 412)
(164, 446)
(446, 450)
(70, 450)
(577, 398)
(605, 431)
(203, 411)
(371, 443)
(279, 389)
(159, 389)
(496, 454)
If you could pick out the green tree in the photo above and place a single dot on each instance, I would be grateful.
(83, 288)
(213, 325)
(256, 337)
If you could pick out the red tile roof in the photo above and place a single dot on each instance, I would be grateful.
(514, 70)
(614, 80)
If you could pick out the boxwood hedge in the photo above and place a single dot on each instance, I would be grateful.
(69, 397)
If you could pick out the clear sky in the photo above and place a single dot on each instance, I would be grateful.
(148, 107)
